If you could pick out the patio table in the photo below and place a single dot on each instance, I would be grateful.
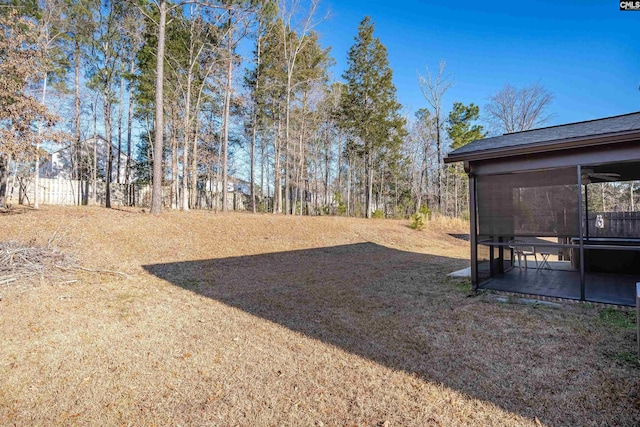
(545, 253)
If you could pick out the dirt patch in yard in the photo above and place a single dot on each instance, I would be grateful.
(239, 319)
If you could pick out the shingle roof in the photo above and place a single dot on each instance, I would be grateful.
(545, 136)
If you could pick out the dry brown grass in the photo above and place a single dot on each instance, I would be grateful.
(267, 320)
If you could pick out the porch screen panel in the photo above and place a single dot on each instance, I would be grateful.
(495, 205)
(540, 203)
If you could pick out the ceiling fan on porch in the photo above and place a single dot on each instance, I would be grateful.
(600, 176)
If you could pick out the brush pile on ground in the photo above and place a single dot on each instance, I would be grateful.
(31, 264)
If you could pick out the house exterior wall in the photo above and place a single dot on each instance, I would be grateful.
(62, 163)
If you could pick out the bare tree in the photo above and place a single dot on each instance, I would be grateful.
(291, 49)
(131, 21)
(236, 29)
(433, 89)
(421, 151)
(515, 110)
(227, 106)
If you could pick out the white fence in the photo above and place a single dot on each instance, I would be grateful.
(73, 192)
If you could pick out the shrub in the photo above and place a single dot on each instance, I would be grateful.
(377, 214)
(342, 207)
(418, 221)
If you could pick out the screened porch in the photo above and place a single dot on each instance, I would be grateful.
(554, 210)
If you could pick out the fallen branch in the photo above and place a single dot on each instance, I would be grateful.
(32, 264)
(94, 270)
(7, 279)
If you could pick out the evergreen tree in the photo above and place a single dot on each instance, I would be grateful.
(460, 129)
(370, 110)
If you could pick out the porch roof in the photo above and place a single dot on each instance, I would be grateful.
(591, 133)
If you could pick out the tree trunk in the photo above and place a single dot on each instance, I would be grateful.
(36, 198)
(127, 171)
(424, 174)
(120, 115)
(185, 152)
(194, 164)
(455, 193)
(382, 193)
(253, 163)
(187, 120)
(262, 169)
(77, 112)
(369, 177)
(254, 121)
(95, 153)
(227, 106)
(277, 172)
(217, 168)
(194, 151)
(316, 170)
(265, 187)
(4, 174)
(438, 144)
(174, 160)
(156, 194)
(395, 206)
(109, 162)
(287, 201)
(327, 158)
(339, 189)
(349, 189)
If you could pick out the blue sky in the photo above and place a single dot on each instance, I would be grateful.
(586, 52)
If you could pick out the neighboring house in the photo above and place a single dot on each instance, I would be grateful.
(61, 164)
(234, 185)
(240, 186)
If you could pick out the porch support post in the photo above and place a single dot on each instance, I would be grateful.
(581, 232)
(473, 219)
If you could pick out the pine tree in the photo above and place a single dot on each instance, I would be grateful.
(370, 109)
(459, 125)
(461, 131)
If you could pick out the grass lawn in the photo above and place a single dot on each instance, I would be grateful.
(242, 320)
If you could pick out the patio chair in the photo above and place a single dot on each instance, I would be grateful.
(523, 250)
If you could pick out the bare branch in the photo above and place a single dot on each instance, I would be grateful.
(516, 110)
(434, 89)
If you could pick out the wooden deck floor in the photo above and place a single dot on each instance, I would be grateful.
(604, 288)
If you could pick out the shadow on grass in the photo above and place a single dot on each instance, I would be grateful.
(393, 307)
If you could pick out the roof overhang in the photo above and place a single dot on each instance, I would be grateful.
(545, 147)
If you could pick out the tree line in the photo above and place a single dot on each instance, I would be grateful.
(175, 87)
